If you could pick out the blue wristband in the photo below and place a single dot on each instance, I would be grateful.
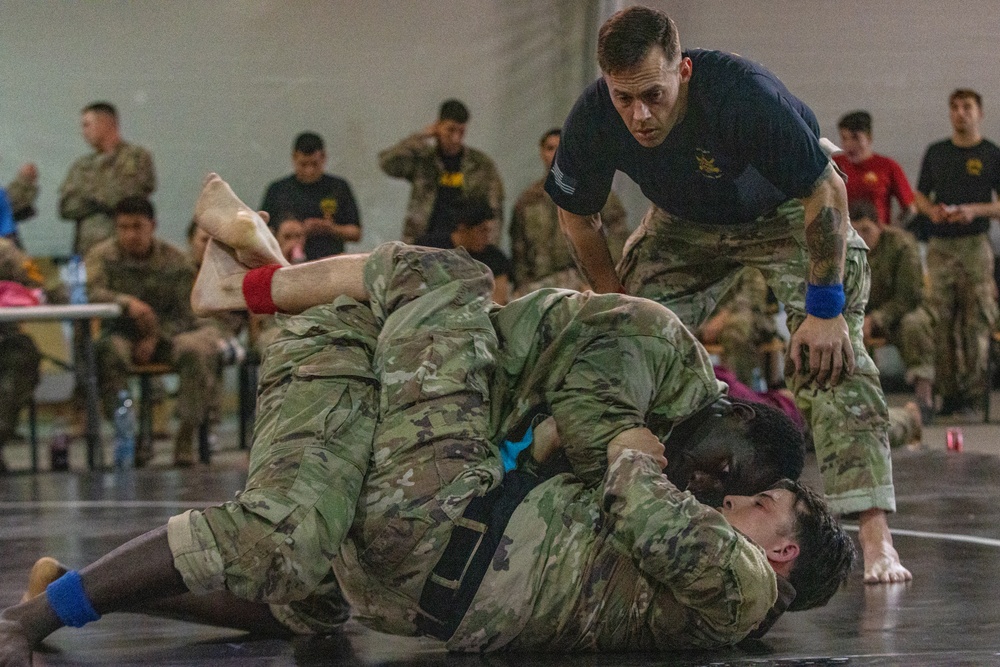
(825, 301)
(69, 601)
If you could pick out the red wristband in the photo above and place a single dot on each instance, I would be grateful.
(257, 290)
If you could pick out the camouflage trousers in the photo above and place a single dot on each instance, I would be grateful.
(193, 354)
(19, 359)
(372, 415)
(914, 337)
(963, 302)
(689, 267)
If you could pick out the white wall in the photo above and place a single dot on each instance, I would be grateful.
(225, 85)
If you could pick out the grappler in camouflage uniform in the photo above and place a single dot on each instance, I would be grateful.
(401, 389)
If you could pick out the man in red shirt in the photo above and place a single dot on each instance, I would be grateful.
(869, 175)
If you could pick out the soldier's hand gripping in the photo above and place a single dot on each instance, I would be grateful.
(828, 343)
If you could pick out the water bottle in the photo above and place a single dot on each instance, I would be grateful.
(757, 382)
(59, 447)
(76, 280)
(125, 427)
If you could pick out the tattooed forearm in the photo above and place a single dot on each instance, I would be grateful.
(584, 267)
(826, 239)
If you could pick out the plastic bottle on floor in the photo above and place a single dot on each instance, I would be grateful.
(125, 427)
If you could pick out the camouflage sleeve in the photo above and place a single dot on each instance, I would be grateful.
(400, 161)
(908, 283)
(22, 193)
(689, 548)
(98, 289)
(615, 225)
(75, 199)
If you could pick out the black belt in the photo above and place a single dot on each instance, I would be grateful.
(453, 583)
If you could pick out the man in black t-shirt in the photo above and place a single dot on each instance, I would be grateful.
(324, 203)
(958, 180)
(737, 175)
(468, 223)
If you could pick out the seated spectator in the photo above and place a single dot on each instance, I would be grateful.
(469, 226)
(324, 203)
(291, 235)
(19, 357)
(151, 280)
(540, 254)
(742, 321)
(896, 310)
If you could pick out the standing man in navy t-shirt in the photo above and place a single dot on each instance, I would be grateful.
(324, 203)
(733, 165)
(958, 180)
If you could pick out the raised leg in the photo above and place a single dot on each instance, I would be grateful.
(225, 217)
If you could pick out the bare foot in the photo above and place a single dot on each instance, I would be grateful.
(43, 572)
(882, 564)
(219, 286)
(225, 217)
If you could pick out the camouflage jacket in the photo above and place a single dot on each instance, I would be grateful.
(96, 182)
(897, 278)
(541, 254)
(163, 280)
(416, 160)
(611, 559)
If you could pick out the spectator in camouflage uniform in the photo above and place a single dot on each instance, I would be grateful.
(738, 176)
(151, 280)
(19, 357)
(442, 169)
(343, 377)
(538, 248)
(97, 182)
(740, 324)
(896, 310)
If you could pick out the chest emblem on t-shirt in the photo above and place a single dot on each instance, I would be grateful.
(870, 177)
(451, 179)
(974, 166)
(328, 206)
(706, 164)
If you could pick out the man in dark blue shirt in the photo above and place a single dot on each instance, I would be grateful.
(734, 166)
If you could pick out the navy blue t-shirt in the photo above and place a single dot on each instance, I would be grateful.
(955, 175)
(745, 145)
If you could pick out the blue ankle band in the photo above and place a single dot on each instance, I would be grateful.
(69, 601)
(825, 301)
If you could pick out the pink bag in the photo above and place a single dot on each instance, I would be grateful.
(16, 294)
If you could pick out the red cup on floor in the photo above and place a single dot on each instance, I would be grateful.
(953, 439)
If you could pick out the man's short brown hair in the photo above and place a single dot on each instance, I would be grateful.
(626, 38)
(966, 94)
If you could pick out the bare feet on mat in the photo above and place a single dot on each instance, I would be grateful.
(882, 564)
(219, 286)
(226, 218)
